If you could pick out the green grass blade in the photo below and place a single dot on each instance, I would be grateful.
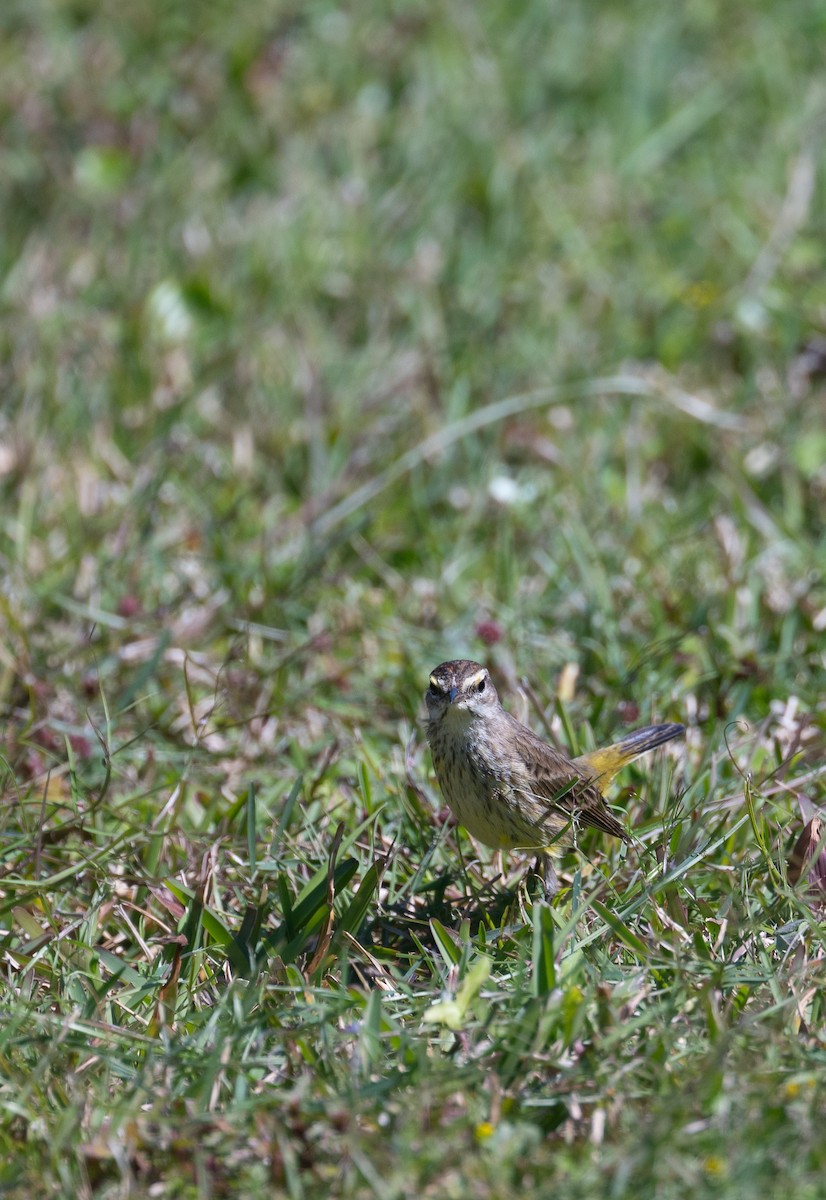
(544, 963)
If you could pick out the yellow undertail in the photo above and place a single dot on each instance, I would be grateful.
(602, 765)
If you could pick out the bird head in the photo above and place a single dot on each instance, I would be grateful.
(460, 686)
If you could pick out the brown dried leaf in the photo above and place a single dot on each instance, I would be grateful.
(171, 903)
(804, 859)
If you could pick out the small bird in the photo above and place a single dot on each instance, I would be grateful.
(509, 789)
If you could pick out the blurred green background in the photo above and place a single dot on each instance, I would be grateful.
(251, 261)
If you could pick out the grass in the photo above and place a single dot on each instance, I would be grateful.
(336, 343)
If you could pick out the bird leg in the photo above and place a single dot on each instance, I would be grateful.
(544, 868)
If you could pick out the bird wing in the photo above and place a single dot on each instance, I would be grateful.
(561, 786)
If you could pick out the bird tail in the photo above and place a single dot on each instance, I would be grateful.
(602, 765)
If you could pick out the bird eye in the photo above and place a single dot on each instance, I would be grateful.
(480, 687)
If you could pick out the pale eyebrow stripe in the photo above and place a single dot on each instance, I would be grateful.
(434, 683)
(474, 678)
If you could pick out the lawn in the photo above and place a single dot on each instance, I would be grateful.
(336, 342)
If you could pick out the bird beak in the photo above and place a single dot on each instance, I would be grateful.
(452, 694)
